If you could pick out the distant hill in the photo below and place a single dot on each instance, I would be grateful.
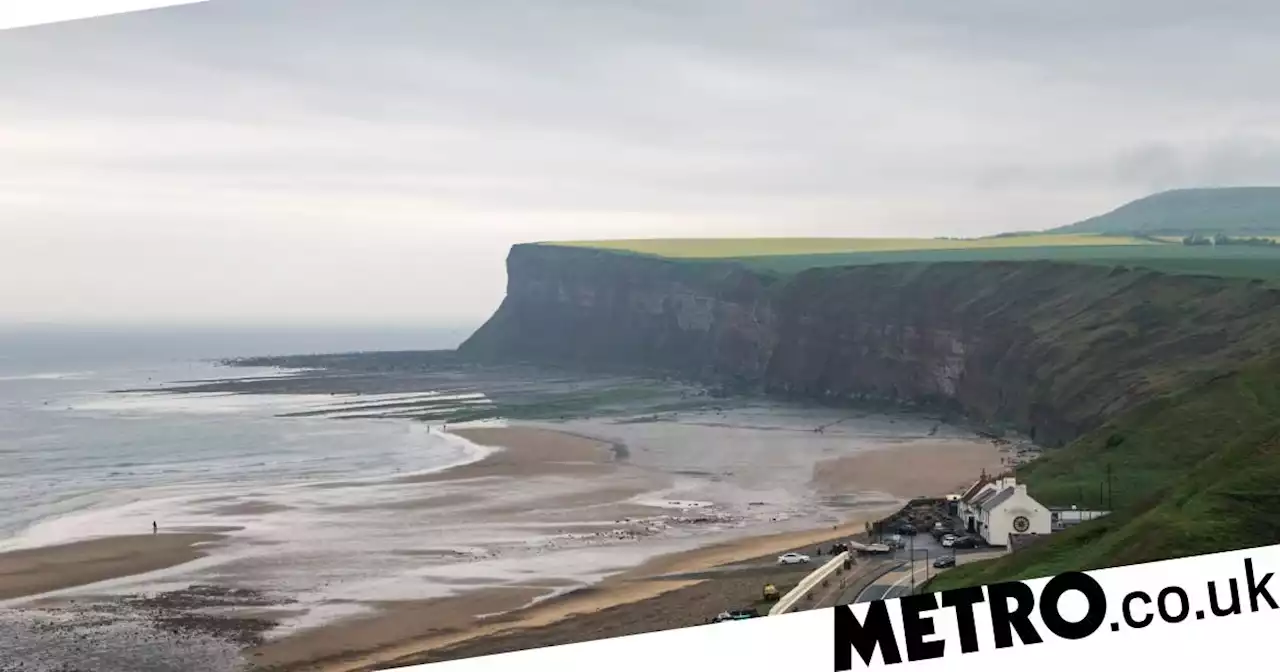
(1233, 211)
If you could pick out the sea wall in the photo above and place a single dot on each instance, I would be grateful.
(1052, 349)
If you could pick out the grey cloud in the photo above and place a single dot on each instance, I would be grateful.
(457, 128)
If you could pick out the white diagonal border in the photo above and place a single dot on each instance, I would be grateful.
(25, 13)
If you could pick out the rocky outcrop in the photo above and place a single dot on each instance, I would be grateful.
(1052, 349)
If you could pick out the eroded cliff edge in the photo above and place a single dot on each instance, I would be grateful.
(1051, 349)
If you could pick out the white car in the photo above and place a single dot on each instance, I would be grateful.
(948, 541)
(793, 559)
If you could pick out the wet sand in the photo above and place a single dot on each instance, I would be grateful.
(421, 629)
(527, 451)
(368, 643)
(36, 571)
(916, 468)
(657, 589)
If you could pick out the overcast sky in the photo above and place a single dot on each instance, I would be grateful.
(370, 161)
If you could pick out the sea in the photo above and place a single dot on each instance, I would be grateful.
(69, 444)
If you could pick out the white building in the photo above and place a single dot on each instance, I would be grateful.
(982, 489)
(1064, 518)
(1011, 511)
(995, 507)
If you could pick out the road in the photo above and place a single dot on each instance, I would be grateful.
(901, 581)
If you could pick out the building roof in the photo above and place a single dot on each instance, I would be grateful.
(977, 501)
(975, 489)
(999, 498)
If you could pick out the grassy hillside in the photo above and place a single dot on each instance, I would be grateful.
(1194, 473)
(1237, 211)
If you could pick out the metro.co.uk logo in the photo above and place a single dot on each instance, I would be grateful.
(1011, 606)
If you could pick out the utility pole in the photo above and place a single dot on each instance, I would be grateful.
(912, 560)
(1109, 500)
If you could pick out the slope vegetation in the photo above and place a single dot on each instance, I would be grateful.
(1238, 211)
(1209, 466)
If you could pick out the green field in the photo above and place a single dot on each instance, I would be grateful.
(787, 256)
(1243, 261)
(729, 248)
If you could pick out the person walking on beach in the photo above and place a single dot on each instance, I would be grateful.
(155, 529)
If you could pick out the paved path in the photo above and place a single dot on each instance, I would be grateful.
(896, 583)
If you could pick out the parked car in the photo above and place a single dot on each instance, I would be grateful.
(793, 559)
(907, 530)
(736, 615)
(948, 540)
(945, 562)
(876, 549)
(965, 542)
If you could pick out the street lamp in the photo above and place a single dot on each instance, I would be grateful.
(912, 559)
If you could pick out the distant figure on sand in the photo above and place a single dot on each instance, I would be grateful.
(154, 528)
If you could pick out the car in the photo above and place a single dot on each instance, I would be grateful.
(907, 530)
(948, 541)
(964, 542)
(945, 562)
(736, 615)
(793, 559)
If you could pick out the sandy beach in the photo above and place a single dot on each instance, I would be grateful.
(527, 452)
(38, 571)
(391, 638)
(915, 468)
(413, 631)
(550, 529)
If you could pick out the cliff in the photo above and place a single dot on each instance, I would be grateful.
(596, 308)
(1051, 349)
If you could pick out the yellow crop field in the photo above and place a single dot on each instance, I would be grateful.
(721, 248)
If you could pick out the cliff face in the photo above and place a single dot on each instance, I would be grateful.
(595, 308)
(1053, 349)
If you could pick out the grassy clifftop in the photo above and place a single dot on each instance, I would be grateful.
(751, 248)
(787, 256)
